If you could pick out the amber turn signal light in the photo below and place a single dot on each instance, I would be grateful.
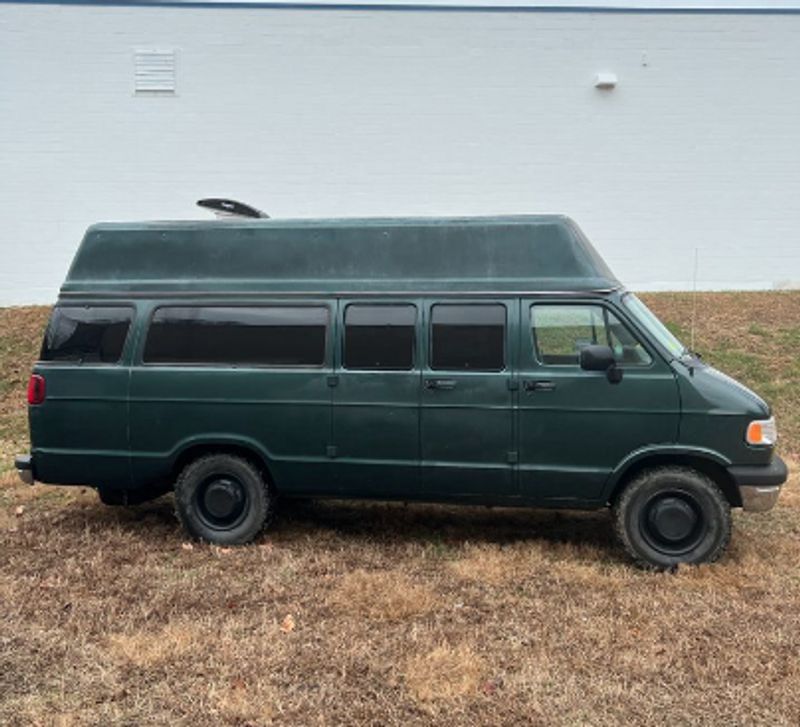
(762, 432)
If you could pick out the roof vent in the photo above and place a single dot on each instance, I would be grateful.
(230, 208)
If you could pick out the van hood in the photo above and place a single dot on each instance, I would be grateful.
(723, 393)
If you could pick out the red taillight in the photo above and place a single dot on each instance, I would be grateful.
(36, 389)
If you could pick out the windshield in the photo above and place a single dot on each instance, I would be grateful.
(647, 319)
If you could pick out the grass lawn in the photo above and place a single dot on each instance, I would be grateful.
(352, 613)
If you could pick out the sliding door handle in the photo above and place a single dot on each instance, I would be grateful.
(440, 384)
(538, 385)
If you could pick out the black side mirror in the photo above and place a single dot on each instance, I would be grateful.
(601, 358)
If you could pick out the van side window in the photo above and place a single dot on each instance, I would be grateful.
(256, 336)
(468, 337)
(86, 334)
(379, 337)
(561, 331)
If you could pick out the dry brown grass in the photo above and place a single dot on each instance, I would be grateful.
(147, 649)
(445, 673)
(399, 615)
(492, 565)
(21, 332)
(381, 595)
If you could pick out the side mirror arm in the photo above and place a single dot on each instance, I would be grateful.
(614, 374)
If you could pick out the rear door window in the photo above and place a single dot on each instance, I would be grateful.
(87, 334)
(238, 336)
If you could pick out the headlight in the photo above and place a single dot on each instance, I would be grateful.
(762, 431)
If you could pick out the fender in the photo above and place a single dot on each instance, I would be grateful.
(659, 452)
(210, 440)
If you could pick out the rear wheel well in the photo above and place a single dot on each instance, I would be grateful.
(716, 472)
(200, 450)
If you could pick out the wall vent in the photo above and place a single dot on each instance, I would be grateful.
(154, 72)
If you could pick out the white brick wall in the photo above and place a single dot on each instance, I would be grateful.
(370, 112)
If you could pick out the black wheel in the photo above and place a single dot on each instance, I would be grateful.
(223, 499)
(672, 515)
(116, 498)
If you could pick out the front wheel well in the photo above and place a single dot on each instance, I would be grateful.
(237, 450)
(715, 471)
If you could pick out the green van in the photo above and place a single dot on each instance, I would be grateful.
(478, 360)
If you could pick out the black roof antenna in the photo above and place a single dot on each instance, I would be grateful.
(230, 208)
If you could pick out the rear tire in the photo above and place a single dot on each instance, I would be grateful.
(223, 499)
(672, 515)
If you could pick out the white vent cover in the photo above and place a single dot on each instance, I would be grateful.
(606, 81)
(154, 72)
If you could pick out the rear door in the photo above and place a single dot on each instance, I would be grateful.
(575, 426)
(376, 399)
(467, 400)
(80, 432)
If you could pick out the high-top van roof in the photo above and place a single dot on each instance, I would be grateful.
(481, 254)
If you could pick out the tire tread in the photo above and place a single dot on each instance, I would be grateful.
(622, 504)
(183, 492)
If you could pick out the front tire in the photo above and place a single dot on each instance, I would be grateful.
(223, 499)
(672, 515)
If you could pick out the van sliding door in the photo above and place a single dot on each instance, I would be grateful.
(467, 400)
(376, 399)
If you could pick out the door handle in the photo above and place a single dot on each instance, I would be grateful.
(441, 384)
(539, 385)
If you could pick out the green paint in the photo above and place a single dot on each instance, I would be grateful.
(531, 433)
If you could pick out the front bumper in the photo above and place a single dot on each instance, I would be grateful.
(759, 486)
(24, 465)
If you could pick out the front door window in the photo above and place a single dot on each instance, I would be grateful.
(561, 331)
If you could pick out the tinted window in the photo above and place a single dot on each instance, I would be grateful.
(265, 336)
(561, 331)
(379, 337)
(470, 337)
(90, 334)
